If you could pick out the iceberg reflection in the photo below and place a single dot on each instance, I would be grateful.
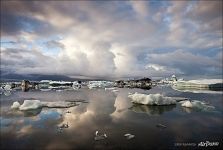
(151, 110)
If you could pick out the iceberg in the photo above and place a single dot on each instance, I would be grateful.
(36, 104)
(129, 136)
(206, 81)
(203, 84)
(76, 85)
(8, 87)
(30, 104)
(99, 84)
(59, 104)
(198, 105)
(99, 137)
(112, 88)
(152, 99)
(15, 105)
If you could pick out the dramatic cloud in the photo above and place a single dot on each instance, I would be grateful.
(112, 39)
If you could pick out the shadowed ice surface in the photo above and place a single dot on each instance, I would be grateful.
(111, 113)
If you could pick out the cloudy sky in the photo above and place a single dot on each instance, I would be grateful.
(113, 39)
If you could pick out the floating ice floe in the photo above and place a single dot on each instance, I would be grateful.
(129, 136)
(195, 104)
(115, 91)
(30, 104)
(203, 84)
(191, 90)
(206, 81)
(112, 88)
(36, 104)
(8, 87)
(99, 136)
(99, 84)
(45, 90)
(152, 99)
(161, 126)
(15, 105)
(76, 85)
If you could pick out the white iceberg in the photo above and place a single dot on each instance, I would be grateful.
(152, 99)
(129, 136)
(59, 104)
(30, 104)
(203, 84)
(15, 105)
(99, 84)
(112, 88)
(115, 91)
(8, 87)
(197, 105)
(99, 137)
(206, 81)
(36, 104)
(76, 85)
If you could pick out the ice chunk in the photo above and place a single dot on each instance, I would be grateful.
(30, 104)
(35, 104)
(99, 136)
(129, 136)
(99, 84)
(8, 87)
(115, 91)
(76, 85)
(160, 126)
(187, 104)
(151, 99)
(206, 81)
(59, 104)
(15, 105)
(45, 90)
(198, 105)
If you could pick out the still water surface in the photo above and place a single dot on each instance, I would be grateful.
(111, 113)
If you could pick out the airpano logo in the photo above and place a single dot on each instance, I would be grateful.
(207, 143)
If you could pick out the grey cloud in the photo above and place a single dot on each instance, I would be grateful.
(187, 63)
(109, 39)
(54, 44)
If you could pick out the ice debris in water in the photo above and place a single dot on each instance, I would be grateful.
(160, 126)
(8, 87)
(197, 105)
(129, 136)
(35, 104)
(30, 104)
(152, 99)
(99, 84)
(15, 105)
(99, 136)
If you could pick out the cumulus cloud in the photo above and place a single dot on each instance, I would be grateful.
(54, 44)
(111, 39)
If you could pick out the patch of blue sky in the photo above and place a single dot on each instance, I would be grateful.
(47, 50)
(210, 52)
(154, 4)
(7, 43)
(28, 24)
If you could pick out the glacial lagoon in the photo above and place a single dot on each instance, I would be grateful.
(111, 113)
